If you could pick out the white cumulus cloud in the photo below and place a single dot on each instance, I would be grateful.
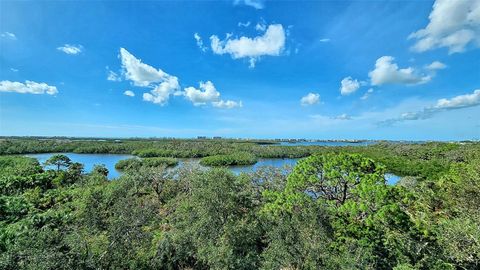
(129, 93)
(348, 85)
(143, 75)
(139, 73)
(310, 99)
(208, 94)
(271, 43)
(436, 65)
(388, 72)
(205, 94)
(162, 92)
(462, 101)
(29, 87)
(71, 49)
(453, 24)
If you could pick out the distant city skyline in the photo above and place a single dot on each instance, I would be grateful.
(393, 70)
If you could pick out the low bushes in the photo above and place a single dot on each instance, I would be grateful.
(147, 153)
(147, 162)
(240, 158)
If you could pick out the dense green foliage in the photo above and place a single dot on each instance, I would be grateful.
(240, 158)
(333, 211)
(135, 163)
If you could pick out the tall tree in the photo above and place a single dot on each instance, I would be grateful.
(59, 161)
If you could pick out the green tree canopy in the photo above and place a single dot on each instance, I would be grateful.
(100, 170)
(331, 178)
(60, 161)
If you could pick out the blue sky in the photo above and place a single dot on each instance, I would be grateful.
(287, 69)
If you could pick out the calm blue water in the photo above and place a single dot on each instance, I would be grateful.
(274, 162)
(109, 160)
(89, 160)
(327, 143)
(391, 178)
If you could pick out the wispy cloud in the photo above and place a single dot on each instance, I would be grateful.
(71, 49)
(112, 76)
(245, 24)
(257, 4)
(444, 104)
(227, 104)
(199, 41)
(261, 26)
(8, 35)
(367, 94)
(343, 116)
(133, 129)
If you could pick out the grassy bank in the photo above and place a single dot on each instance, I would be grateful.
(145, 162)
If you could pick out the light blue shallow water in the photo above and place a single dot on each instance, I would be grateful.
(274, 162)
(109, 160)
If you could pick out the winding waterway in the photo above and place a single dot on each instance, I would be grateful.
(109, 160)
